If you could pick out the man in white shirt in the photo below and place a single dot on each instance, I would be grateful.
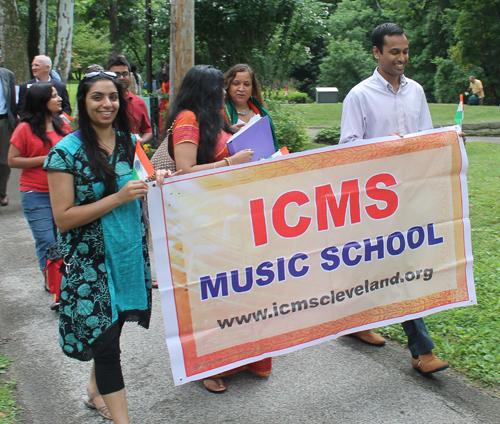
(388, 103)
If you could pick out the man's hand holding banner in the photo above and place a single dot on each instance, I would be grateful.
(266, 258)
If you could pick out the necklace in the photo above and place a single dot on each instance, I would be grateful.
(108, 147)
(243, 112)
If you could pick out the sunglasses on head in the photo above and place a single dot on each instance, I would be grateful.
(108, 74)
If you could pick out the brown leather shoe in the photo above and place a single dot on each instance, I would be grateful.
(429, 363)
(369, 337)
(4, 201)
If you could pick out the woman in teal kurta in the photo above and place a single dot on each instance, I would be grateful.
(96, 207)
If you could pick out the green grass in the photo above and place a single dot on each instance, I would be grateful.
(8, 407)
(442, 114)
(72, 88)
(469, 337)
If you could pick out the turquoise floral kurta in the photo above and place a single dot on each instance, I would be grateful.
(110, 279)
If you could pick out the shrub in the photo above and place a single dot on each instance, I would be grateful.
(298, 97)
(293, 96)
(329, 135)
(290, 126)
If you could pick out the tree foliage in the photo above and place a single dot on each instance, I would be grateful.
(449, 40)
(90, 46)
(350, 58)
(478, 42)
(270, 36)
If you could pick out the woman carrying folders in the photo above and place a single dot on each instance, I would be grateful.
(96, 206)
(243, 99)
(199, 136)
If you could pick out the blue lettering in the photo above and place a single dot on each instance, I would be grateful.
(430, 235)
(208, 286)
(370, 248)
(235, 280)
(294, 272)
(281, 269)
(390, 244)
(345, 253)
(421, 237)
(328, 254)
(262, 271)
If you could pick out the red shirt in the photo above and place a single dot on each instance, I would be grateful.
(138, 113)
(32, 146)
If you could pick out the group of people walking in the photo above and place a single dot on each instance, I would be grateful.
(81, 181)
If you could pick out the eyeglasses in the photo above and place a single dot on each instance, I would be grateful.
(122, 74)
(108, 74)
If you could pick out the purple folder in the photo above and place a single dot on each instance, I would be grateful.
(257, 137)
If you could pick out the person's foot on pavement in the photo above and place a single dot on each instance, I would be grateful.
(214, 385)
(4, 201)
(429, 363)
(369, 337)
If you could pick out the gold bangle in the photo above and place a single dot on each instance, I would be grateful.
(228, 161)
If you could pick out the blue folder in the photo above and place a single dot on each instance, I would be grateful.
(257, 137)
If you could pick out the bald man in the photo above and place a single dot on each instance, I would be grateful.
(40, 68)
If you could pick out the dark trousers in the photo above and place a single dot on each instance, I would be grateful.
(108, 370)
(419, 341)
(5, 134)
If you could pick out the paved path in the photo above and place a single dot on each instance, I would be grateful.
(341, 381)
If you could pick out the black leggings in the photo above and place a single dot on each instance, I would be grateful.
(108, 370)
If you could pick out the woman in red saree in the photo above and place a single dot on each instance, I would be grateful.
(200, 133)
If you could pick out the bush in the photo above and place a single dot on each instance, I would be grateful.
(290, 126)
(298, 97)
(329, 135)
(294, 96)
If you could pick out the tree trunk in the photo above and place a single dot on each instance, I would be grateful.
(64, 37)
(181, 42)
(42, 23)
(37, 31)
(114, 37)
(15, 55)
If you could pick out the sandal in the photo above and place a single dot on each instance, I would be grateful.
(103, 410)
(154, 283)
(214, 385)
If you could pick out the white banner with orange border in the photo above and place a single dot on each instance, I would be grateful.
(262, 259)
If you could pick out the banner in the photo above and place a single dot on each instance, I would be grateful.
(265, 258)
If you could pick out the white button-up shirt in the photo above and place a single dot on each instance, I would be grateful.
(372, 109)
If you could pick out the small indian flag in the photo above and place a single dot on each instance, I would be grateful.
(281, 152)
(459, 116)
(142, 168)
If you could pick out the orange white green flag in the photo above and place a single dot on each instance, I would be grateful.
(459, 116)
(142, 168)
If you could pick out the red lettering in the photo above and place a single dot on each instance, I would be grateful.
(259, 228)
(279, 220)
(382, 194)
(349, 195)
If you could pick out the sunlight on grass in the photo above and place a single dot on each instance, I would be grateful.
(442, 114)
(469, 337)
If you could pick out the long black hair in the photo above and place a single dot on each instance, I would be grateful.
(36, 111)
(97, 157)
(201, 92)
